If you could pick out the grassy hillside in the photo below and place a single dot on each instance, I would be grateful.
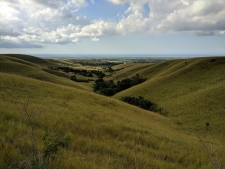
(191, 91)
(14, 65)
(103, 132)
(128, 70)
(32, 59)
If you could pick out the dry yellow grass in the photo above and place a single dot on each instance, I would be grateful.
(187, 89)
(105, 132)
(128, 70)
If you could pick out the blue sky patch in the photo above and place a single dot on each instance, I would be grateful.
(103, 9)
(147, 10)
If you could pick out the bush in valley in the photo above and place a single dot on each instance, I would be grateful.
(140, 102)
(110, 88)
(74, 78)
(82, 80)
(87, 73)
(99, 63)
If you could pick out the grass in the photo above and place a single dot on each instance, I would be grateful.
(106, 132)
(31, 59)
(192, 94)
(188, 92)
(18, 67)
(128, 70)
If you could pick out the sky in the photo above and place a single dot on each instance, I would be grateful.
(152, 27)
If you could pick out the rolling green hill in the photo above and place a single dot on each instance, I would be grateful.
(191, 91)
(19, 66)
(128, 70)
(32, 59)
(104, 132)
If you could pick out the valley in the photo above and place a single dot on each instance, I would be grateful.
(51, 117)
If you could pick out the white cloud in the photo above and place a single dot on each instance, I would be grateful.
(76, 40)
(8, 44)
(77, 3)
(59, 21)
(184, 2)
(49, 3)
(204, 33)
(45, 14)
(98, 28)
(7, 30)
(117, 1)
(95, 39)
(172, 16)
(198, 16)
(222, 32)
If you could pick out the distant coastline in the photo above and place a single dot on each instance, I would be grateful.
(117, 56)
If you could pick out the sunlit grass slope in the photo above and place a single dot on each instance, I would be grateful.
(192, 91)
(128, 70)
(32, 59)
(104, 132)
(14, 65)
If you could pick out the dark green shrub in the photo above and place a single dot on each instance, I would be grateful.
(140, 102)
(109, 88)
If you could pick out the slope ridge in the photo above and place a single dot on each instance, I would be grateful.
(128, 70)
(29, 69)
(186, 89)
(32, 59)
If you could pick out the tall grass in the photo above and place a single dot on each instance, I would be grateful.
(191, 91)
(105, 133)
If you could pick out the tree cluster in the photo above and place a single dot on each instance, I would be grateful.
(87, 73)
(110, 88)
(74, 78)
(97, 63)
(140, 102)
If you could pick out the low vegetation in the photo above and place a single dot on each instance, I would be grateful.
(87, 73)
(109, 88)
(49, 121)
(140, 102)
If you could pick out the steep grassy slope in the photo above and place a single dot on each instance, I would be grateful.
(104, 132)
(32, 59)
(191, 91)
(14, 65)
(128, 70)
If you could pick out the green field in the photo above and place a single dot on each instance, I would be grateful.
(104, 132)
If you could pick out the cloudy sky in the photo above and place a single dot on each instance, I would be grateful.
(167, 27)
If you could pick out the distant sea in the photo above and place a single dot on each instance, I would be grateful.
(114, 56)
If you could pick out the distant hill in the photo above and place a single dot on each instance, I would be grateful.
(32, 59)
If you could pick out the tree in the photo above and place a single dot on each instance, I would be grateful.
(74, 78)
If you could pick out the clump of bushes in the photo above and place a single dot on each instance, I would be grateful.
(144, 104)
(87, 73)
(110, 88)
(140, 102)
(78, 80)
